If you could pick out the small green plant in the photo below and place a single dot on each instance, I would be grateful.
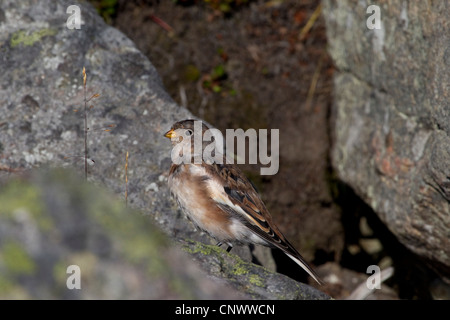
(214, 80)
(107, 9)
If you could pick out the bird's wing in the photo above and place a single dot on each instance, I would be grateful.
(243, 202)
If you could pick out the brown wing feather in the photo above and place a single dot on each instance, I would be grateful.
(242, 192)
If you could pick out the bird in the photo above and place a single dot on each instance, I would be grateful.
(219, 199)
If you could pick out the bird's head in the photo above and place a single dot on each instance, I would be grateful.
(185, 130)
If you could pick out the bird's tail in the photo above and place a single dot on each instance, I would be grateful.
(302, 263)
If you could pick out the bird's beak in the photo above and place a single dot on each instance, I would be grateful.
(170, 134)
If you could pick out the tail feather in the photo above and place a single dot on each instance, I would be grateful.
(305, 267)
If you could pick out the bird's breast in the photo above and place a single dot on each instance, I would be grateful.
(187, 184)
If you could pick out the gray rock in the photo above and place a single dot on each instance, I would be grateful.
(40, 86)
(53, 221)
(392, 117)
(256, 281)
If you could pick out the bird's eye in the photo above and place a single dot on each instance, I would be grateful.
(189, 132)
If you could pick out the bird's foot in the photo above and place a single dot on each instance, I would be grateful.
(229, 246)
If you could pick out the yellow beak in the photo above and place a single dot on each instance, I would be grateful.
(170, 134)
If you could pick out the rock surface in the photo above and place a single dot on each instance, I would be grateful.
(52, 221)
(40, 86)
(392, 120)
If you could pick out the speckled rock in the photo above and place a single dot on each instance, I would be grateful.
(41, 85)
(256, 281)
(392, 120)
(53, 222)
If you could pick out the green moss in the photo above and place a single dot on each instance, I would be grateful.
(194, 247)
(5, 285)
(256, 280)
(240, 269)
(87, 262)
(129, 233)
(179, 285)
(140, 242)
(60, 272)
(18, 195)
(197, 247)
(21, 37)
(16, 259)
(11, 291)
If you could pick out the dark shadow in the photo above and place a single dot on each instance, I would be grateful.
(412, 276)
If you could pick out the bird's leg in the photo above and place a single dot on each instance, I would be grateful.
(221, 243)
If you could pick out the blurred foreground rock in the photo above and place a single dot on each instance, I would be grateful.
(392, 120)
(53, 222)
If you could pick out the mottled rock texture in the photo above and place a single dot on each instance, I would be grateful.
(392, 116)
